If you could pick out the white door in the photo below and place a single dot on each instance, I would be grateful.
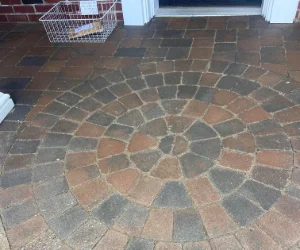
(139, 12)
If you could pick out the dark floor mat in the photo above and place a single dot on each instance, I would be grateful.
(207, 3)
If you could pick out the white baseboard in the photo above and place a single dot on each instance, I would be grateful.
(6, 105)
(207, 11)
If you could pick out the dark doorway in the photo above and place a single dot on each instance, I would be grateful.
(208, 3)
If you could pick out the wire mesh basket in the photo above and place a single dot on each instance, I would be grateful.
(70, 21)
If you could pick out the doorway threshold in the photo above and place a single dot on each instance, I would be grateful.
(207, 11)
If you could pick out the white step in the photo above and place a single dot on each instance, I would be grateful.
(6, 105)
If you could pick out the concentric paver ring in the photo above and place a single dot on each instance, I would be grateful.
(175, 156)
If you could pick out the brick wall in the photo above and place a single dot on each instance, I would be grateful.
(298, 11)
(20, 11)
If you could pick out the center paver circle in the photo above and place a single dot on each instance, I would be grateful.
(158, 148)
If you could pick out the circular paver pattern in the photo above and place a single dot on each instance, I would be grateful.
(179, 156)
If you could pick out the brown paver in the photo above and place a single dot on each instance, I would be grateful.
(193, 145)
(236, 160)
(217, 222)
(159, 225)
(280, 228)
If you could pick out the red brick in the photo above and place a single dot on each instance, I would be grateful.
(289, 207)
(31, 133)
(108, 147)
(270, 79)
(165, 66)
(43, 7)
(202, 191)
(178, 124)
(295, 75)
(255, 115)
(47, 97)
(159, 225)
(204, 42)
(31, 71)
(225, 242)
(119, 16)
(90, 130)
(216, 220)
(255, 238)
(178, 23)
(200, 53)
(11, 196)
(242, 142)
(118, 6)
(216, 114)
(10, 2)
(14, 162)
(109, 62)
(52, 66)
(17, 18)
(130, 43)
(254, 73)
(41, 81)
(195, 108)
(78, 176)
(146, 190)
(33, 112)
(3, 18)
(277, 68)
(24, 9)
(236, 160)
(277, 159)
(34, 18)
(77, 160)
(209, 79)
(112, 240)
(92, 192)
(77, 61)
(75, 72)
(288, 115)
(224, 97)
(168, 168)
(240, 105)
(140, 141)
(6, 9)
(51, 1)
(26, 231)
(167, 246)
(114, 108)
(124, 180)
(280, 228)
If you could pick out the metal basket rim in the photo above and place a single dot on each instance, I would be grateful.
(41, 19)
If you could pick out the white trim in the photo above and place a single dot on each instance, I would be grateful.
(208, 11)
(6, 105)
(279, 11)
(140, 12)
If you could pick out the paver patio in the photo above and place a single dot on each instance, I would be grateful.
(184, 134)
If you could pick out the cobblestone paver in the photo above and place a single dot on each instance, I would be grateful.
(161, 138)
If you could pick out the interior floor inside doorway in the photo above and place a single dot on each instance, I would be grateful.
(208, 3)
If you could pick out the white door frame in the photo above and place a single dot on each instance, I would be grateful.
(140, 12)
(6, 105)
